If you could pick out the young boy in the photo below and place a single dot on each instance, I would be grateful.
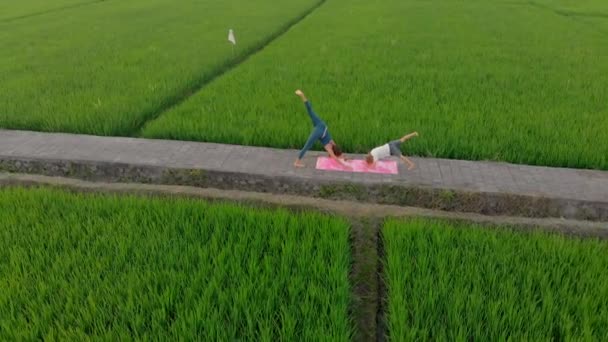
(393, 148)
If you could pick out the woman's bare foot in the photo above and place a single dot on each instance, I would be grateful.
(301, 95)
(298, 163)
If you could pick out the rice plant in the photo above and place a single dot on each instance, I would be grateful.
(13, 10)
(107, 67)
(480, 80)
(76, 266)
(460, 282)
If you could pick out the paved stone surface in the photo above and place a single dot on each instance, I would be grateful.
(458, 175)
(564, 183)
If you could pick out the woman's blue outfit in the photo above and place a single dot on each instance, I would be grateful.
(319, 131)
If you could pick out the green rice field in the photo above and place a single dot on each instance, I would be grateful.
(458, 282)
(74, 267)
(576, 8)
(505, 80)
(517, 81)
(13, 10)
(80, 266)
(106, 67)
(498, 80)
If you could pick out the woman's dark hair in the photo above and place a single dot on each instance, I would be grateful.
(369, 159)
(337, 150)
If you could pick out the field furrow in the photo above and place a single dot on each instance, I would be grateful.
(497, 80)
(14, 10)
(108, 67)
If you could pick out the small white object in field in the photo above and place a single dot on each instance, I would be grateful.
(231, 37)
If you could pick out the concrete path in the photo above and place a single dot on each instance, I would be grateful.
(571, 185)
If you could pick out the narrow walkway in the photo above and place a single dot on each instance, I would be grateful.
(439, 174)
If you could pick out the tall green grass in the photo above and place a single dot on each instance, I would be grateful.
(11, 10)
(107, 67)
(74, 267)
(593, 13)
(581, 8)
(498, 80)
(455, 282)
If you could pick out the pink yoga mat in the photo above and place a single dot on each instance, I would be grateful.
(382, 166)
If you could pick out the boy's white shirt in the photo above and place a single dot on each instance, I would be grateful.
(381, 152)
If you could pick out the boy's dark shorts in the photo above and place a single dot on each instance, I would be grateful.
(395, 148)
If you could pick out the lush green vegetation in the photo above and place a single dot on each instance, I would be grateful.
(580, 8)
(453, 282)
(594, 13)
(12, 10)
(77, 266)
(501, 80)
(107, 67)
(74, 266)
(504, 80)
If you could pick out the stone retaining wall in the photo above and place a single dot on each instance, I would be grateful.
(382, 193)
